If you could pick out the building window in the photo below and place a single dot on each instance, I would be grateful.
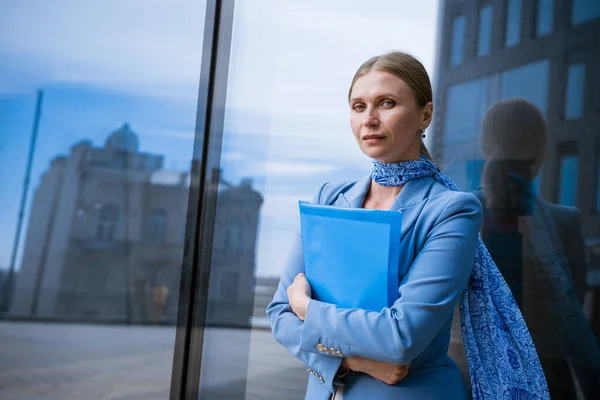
(457, 47)
(529, 82)
(107, 223)
(467, 103)
(585, 10)
(575, 91)
(484, 42)
(569, 172)
(513, 23)
(545, 17)
(157, 226)
(235, 236)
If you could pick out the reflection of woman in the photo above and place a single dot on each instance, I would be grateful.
(544, 269)
(401, 352)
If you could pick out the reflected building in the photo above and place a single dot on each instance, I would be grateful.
(545, 51)
(106, 235)
(233, 262)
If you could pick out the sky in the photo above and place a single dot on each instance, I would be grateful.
(101, 64)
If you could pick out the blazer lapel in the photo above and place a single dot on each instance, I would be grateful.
(414, 191)
(355, 197)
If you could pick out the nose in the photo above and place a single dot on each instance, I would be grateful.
(371, 119)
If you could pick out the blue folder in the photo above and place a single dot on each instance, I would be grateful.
(351, 255)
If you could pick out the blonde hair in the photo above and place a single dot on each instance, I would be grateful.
(407, 68)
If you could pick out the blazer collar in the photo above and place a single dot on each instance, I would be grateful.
(414, 191)
(355, 196)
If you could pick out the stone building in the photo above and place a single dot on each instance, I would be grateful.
(106, 237)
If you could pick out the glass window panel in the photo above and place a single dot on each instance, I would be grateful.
(575, 91)
(286, 133)
(585, 10)
(569, 172)
(513, 22)
(114, 142)
(524, 72)
(467, 102)
(529, 82)
(486, 24)
(545, 17)
(457, 47)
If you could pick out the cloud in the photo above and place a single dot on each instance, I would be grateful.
(280, 57)
(282, 207)
(291, 64)
(233, 156)
(145, 46)
(171, 133)
(297, 168)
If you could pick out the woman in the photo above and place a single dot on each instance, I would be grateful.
(538, 247)
(368, 353)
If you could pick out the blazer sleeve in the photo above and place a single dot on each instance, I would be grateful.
(287, 327)
(427, 296)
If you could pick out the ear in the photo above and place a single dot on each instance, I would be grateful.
(427, 115)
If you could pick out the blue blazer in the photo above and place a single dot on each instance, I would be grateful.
(438, 241)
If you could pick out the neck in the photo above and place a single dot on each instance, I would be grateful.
(381, 197)
(383, 192)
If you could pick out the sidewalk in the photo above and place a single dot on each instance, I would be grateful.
(88, 362)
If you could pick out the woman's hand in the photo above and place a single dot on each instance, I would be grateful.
(386, 373)
(299, 295)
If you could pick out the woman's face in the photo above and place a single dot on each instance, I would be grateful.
(385, 118)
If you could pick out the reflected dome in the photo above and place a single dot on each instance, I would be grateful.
(123, 139)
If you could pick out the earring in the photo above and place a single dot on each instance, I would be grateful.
(423, 133)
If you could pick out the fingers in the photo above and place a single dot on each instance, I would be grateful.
(398, 373)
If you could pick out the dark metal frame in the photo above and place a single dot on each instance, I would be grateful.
(191, 319)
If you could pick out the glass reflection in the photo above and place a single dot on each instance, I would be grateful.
(97, 266)
(574, 100)
(538, 246)
(458, 40)
(513, 22)
(569, 166)
(545, 17)
(568, 179)
(286, 131)
(584, 11)
(484, 41)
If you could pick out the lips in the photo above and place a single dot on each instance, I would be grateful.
(371, 137)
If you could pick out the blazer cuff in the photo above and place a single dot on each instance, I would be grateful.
(326, 371)
(313, 335)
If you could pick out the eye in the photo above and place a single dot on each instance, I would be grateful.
(358, 107)
(388, 103)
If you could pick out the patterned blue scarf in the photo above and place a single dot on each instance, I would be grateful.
(503, 362)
